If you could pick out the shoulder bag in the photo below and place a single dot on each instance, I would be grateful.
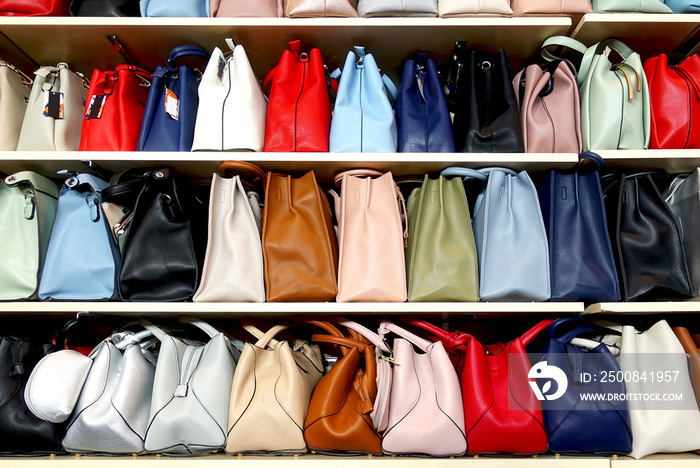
(27, 211)
(320, 8)
(458, 8)
(104, 8)
(34, 8)
(683, 6)
(175, 8)
(15, 88)
(400, 8)
(683, 199)
(246, 8)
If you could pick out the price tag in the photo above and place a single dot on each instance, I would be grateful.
(97, 103)
(53, 104)
(172, 105)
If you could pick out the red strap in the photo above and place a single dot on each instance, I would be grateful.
(455, 341)
(532, 333)
(268, 80)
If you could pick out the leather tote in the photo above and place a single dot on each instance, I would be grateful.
(494, 380)
(683, 199)
(646, 240)
(363, 117)
(457, 8)
(426, 415)
(486, 116)
(270, 394)
(114, 110)
(371, 212)
(550, 7)
(630, 6)
(615, 109)
(34, 8)
(510, 236)
(231, 112)
(15, 88)
(246, 8)
(54, 114)
(105, 8)
(401, 8)
(177, 8)
(80, 226)
(422, 118)
(674, 91)
(27, 211)
(339, 415)
(171, 108)
(691, 350)
(191, 391)
(550, 109)
(320, 8)
(441, 256)
(574, 214)
(233, 264)
(299, 109)
(300, 247)
(683, 6)
(21, 432)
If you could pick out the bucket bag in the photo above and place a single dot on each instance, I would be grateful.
(177, 8)
(400, 8)
(15, 88)
(683, 199)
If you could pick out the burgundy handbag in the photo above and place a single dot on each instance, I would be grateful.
(34, 8)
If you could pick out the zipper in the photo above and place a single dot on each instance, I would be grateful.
(190, 360)
(420, 78)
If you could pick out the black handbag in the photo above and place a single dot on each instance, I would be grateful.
(104, 8)
(646, 240)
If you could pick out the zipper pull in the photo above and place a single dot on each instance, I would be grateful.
(29, 205)
(420, 77)
(404, 215)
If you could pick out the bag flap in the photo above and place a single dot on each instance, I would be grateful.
(37, 181)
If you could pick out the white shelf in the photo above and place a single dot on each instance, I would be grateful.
(672, 161)
(633, 308)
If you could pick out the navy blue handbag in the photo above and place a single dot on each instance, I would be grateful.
(582, 264)
(422, 118)
(171, 108)
(575, 424)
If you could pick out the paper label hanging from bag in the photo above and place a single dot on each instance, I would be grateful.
(172, 104)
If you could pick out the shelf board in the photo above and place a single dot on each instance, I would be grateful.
(632, 308)
(678, 460)
(672, 161)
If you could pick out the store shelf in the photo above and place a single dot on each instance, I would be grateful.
(672, 161)
(634, 308)
(680, 460)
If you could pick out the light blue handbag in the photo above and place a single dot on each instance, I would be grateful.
(683, 6)
(82, 259)
(175, 8)
(363, 119)
(510, 237)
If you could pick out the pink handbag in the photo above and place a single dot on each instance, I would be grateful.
(246, 8)
(549, 108)
(371, 238)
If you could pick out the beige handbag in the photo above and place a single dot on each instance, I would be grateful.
(550, 7)
(320, 8)
(14, 93)
(451, 8)
(246, 8)
(270, 394)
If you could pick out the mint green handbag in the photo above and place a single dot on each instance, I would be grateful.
(629, 6)
(27, 210)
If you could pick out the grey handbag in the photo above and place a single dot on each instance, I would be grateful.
(15, 87)
(369, 8)
(683, 198)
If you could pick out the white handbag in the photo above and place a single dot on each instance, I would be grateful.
(15, 87)
(231, 112)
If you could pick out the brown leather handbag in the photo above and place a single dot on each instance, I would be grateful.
(339, 418)
(690, 346)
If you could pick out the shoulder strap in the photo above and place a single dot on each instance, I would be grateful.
(202, 325)
(386, 327)
(183, 51)
(453, 341)
(374, 338)
(532, 333)
(243, 168)
(464, 172)
(560, 41)
(329, 327)
(357, 173)
(345, 342)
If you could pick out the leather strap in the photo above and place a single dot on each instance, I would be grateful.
(385, 327)
(202, 325)
(560, 41)
(356, 173)
(344, 342)
(329, 327)
(532, 333)
(185, 50)
(453, 341)
(374, 338)
(464, 172)
(243, 168)
(264, 339)
(686, 340)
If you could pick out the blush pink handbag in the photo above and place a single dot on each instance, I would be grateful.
(371, 237)
(246, 8)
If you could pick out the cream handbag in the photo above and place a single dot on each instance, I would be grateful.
(450, 8)
(270, 394)
(15, 87)
(231, 112)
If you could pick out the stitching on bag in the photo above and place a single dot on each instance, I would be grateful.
(223, 105)
(690, 113)
(551, 122)
(437, 401)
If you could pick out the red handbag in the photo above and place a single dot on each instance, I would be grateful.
(114, 109)
(674, 92)
(34, 8)
(502, 413)
(299, 108)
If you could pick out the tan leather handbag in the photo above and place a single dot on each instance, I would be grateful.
(690, 347)
(246, 8)
(550, 7)
(320, 8)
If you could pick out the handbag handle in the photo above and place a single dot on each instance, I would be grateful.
(264, 339)
(465, 173)
(385, 327)
(357, 173)
(243, 168)
(532, 333)
(202, 325)
(560, 41)
(374, 338)
(453, 341)
(183, 51)
(343, 342)
(571, 334)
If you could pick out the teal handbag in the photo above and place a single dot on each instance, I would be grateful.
(27, 211)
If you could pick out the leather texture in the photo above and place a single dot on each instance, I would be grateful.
(300, 247)
(426, 415)
(160, 131)
(457, 8)
(105, 8)
(683, 199)
(629, 6)
(550, 7)
(486, 117)
(270, 394)
(15, 88)
(320, 8)
(441, 257)
(550, 110)
(683, 6)
(34, 8)
(80, 226)
(299, 110)
(363, 117)
(231, 112)
(370, 211)
(125, 91)
(177, 8)
(693, 353)
(674, 91)
(401, 8)
(582, 264)
(21, 432)
(422, 118)
(44, 133)
(27, 211)
(646, 240)
(246, 8)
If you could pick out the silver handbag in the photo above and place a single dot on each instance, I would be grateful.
(378, 8)
(683, 198)
(15, 87)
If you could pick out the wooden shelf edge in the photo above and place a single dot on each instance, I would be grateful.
(633, 308)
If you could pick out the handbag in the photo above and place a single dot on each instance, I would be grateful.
(674, 91)
(270, 394)
(105, 8)
(246, 8)
(441, 257)
(300, 248)
(320, 8)
(486, 111)
(549, 106)
(683, 199)
(27, 211)
(170, 8)
(496, 394)
(691, 350)
(54, 112)
(363, 117)
(627, 6)
(231, 112)
(457, 8)
(15, 88)
(114, 110)
(34, 8)
(682, 6)
(426, 415)
(299, 110)
(80, 227)
(422, 119)
(233, 264)
(616, 90)
(401, 8)
(371, 212)
(191, 391)
(171, 108)
(574, 214)
(510, 237)
(550, 7)
(646, 240)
